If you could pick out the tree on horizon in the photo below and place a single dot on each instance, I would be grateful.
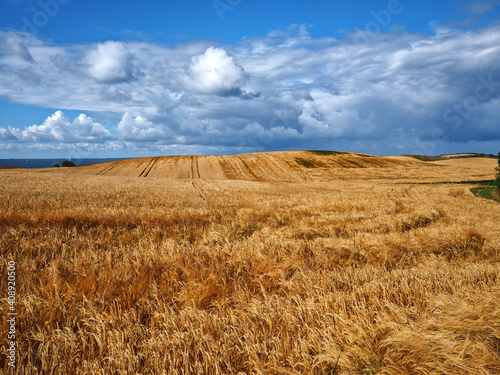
(498, 172)
(68, 163)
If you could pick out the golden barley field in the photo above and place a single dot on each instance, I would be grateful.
(272, 263)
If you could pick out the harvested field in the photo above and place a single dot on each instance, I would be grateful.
(269, 263)
(294, 166)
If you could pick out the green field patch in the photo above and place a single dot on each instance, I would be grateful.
(353, 164)
(483, 183)
(425, 158)
(309, 163)
(367, 156)
(325, 152)
(487, 192)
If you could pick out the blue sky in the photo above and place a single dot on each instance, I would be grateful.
(128, 78)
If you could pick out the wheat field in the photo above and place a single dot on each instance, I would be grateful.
(273, 263)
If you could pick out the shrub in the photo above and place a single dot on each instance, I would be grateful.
(68, 163)
(56, 165)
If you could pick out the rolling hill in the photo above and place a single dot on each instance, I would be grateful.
(292, 166)
(265, 166)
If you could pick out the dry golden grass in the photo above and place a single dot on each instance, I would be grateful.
(199, 275)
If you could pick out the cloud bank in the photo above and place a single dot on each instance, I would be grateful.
(58, 128)
(383, 93)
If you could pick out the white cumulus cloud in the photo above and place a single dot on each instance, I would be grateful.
(110, 62)
(58, 128)
(214, 72)
(139, 129)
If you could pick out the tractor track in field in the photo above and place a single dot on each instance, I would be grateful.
(247, 170)
(195, 175)
(198, 188)
(149, 167)
(205, 188)
(106, 170)
(195, 168)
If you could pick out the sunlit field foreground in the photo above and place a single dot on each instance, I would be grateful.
(331, 264)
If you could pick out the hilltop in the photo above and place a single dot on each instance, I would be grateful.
(262, 166)
(291, 166)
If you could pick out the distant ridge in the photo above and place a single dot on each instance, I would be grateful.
(467, 155)
(450, 156)
(49, 163)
